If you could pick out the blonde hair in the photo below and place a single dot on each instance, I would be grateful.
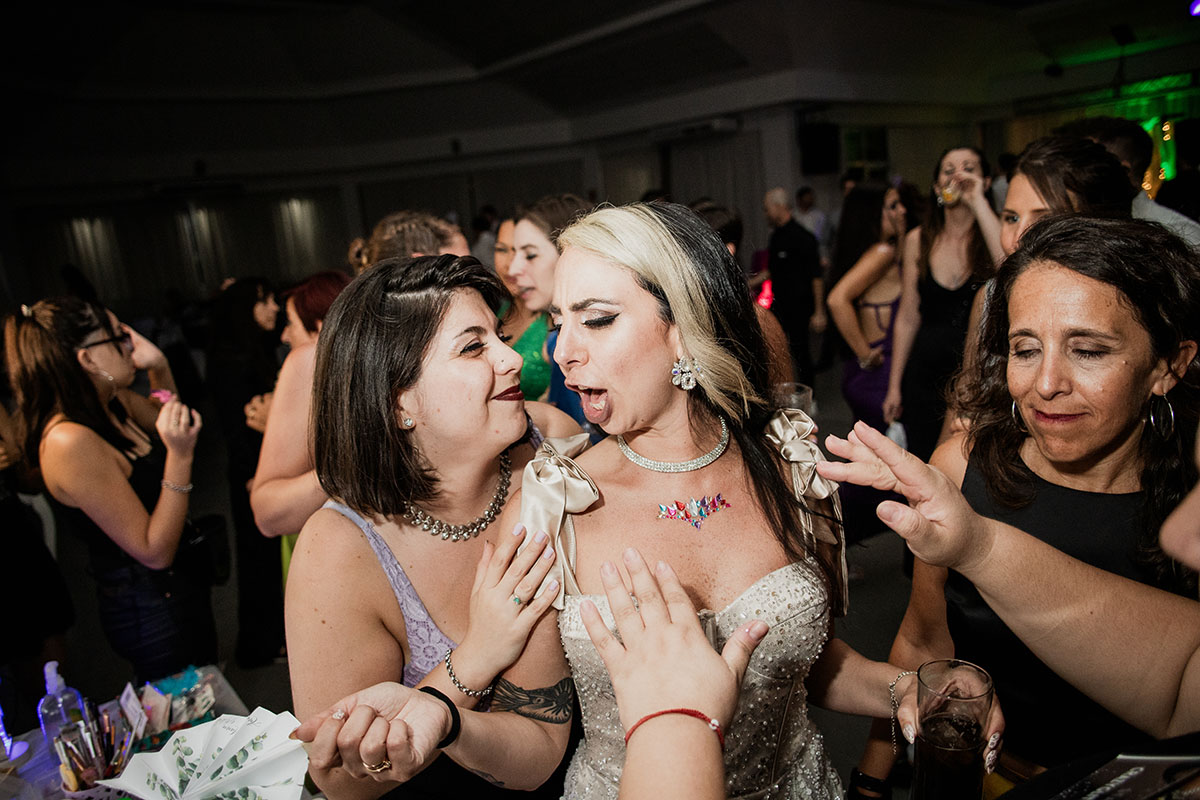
(682, 265)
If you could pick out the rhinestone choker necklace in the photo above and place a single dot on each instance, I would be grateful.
(459, 533)
(677, 466)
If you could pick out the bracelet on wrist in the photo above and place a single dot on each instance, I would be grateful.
(687, 712)
(455, 719)
(860, 782)
(896, 704)
(476, 693)
(176, 487)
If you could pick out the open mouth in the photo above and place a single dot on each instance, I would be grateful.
(511, 393)
(594, 402)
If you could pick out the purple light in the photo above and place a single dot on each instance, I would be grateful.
(1196, 8)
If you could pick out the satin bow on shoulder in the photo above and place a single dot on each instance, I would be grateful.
(553, 488)
(788, 431)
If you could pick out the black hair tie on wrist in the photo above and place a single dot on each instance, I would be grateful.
(860, 780)
(455, 719)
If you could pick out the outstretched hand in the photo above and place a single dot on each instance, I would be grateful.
(938, 523)
(663, 659)
(387, 723)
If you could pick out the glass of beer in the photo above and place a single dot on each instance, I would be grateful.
(953, 701)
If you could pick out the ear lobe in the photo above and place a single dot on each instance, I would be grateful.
(1176, 368)
(84, 357)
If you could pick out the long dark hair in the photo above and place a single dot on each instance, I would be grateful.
(860, 227)
(235, 336)
(46, 377)
(684, 265)
(1159, 280)
(370, 350)
(935, 222)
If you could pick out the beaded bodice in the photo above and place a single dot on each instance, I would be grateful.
(772, 748)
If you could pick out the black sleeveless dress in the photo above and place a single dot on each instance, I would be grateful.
(936, 355)
(160, 620)
(1048, 721)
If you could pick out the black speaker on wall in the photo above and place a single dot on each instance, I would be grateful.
(820, 148)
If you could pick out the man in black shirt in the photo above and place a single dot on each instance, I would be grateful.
(794, 263)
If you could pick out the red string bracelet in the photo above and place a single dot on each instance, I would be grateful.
(688, 712)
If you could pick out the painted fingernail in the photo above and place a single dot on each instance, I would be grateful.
(548, 553)
(518, 529)
(552, 587)
(995, 740)
(630, 555)
(989, 763)
(540, 536)
(910, 733)
(757, 630)
(661, 568)
(338, 714)
(608, 570)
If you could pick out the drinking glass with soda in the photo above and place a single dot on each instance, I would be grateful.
(953, 701)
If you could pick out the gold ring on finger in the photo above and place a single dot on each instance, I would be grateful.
(516, 599)
(375, 769)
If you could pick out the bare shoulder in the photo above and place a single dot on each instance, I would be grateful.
(300, 362)
(551, 421)
(67, 443)
(950, 458)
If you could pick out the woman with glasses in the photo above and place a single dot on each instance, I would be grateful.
(119, 465)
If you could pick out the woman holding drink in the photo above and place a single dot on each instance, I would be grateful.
(1081, 406)
(944, 261)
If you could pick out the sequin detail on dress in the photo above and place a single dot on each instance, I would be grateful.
(772, 747)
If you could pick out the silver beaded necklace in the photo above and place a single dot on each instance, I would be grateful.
(459, 533)
(677, 466)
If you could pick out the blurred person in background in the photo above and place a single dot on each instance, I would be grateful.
(242, 366)
(285, 490)
(119, 467)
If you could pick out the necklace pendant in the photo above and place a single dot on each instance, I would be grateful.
(694, 511)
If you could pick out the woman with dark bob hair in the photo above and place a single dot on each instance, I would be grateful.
(659, 336)
(420, 434)
(1083, 404)
(119, 467)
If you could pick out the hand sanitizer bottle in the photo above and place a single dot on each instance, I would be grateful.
(61, 706)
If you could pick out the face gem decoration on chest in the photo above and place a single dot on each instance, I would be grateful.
(694, 511)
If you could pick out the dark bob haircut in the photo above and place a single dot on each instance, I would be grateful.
(371, 348)
(1158, 277)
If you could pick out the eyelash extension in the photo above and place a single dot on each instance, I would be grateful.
(505, 337)
(601, 322)
(471, 348)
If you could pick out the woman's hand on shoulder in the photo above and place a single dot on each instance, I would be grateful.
(663, 659)
(551, 421)
(939, 525)
(178, 426)
(505, 604)
(385, 724)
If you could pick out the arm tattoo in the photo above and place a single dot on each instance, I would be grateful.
(492, 779)
(549, 704)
